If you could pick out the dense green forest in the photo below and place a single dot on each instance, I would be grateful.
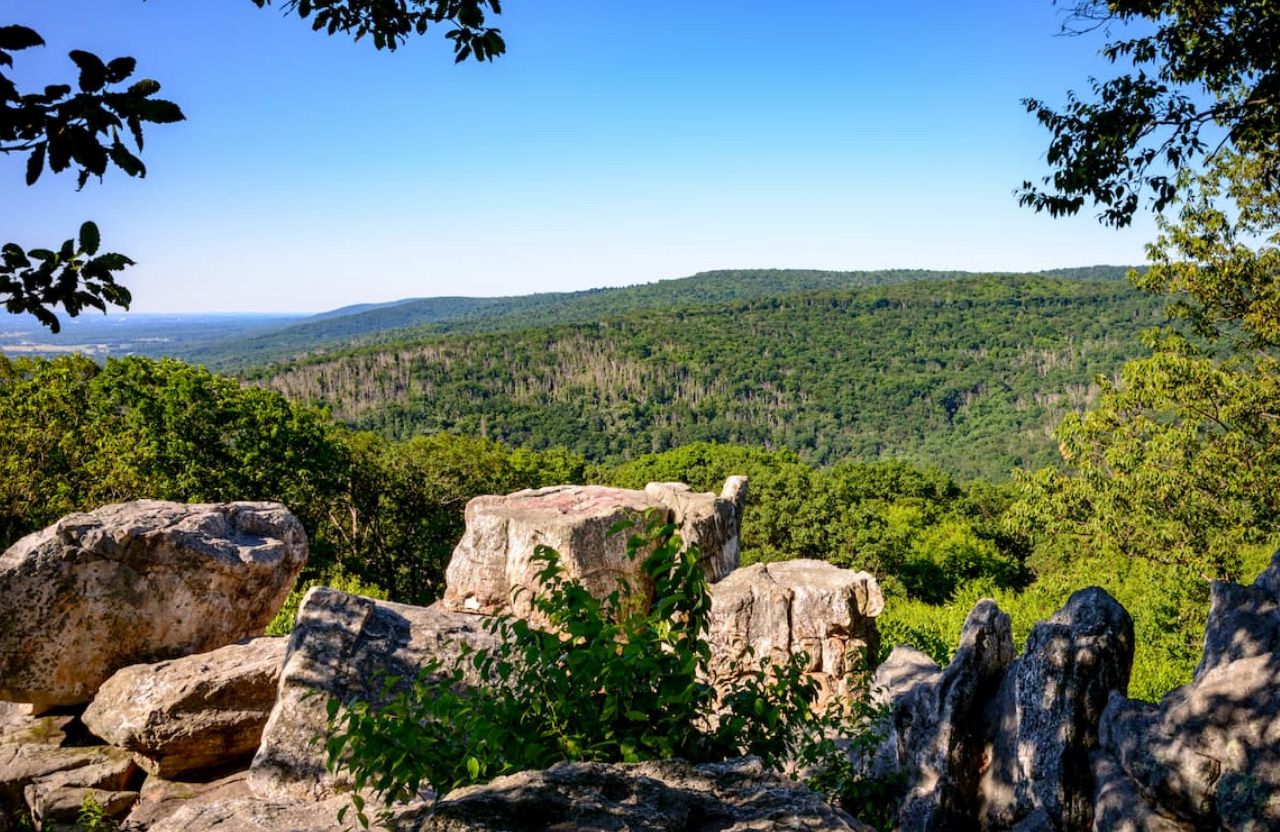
(967, 374)
(412, 319)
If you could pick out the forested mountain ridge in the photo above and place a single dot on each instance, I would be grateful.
(969, 374)
(409, 319)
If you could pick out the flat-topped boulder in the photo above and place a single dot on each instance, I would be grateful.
(778, 610)
(494, 570)
(137, 583)
(191, 715)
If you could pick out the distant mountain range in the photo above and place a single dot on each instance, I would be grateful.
(421, 317)
(966, 372)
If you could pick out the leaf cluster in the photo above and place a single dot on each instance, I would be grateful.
(74, 277)
(1207, 74)
(85, 128)
(389, 23)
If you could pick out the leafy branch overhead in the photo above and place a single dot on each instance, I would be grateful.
(72, 277)
(99, 123)
(86, 129)
(1208, 76)
(391, 22)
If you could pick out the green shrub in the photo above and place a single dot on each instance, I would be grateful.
(623, 679)
(93, 817)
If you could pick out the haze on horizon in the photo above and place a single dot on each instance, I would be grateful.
(627, 144)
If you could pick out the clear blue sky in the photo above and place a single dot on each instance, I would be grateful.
(617, 142)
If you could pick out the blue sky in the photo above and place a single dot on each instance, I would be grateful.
(617, 142)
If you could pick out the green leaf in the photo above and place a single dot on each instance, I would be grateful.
(120, 69)
(158, 111)
(145, 87)
(126, 161)
(93, 72)
(473, 768)
(35, 164)
(19, 37)
(90, 239)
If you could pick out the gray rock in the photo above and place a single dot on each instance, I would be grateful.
(939, 728)
(709, 522)
(1044, 719)
(101, 767)
(493, 571)
(1210, 752)
(778, 610)
(158, 798)
(58, 808)
(190, 715)
(248, 814)
(343, 647)
(1120, 805)
(493, 568)
(1243, 621)
(138, 582)
(645, 797)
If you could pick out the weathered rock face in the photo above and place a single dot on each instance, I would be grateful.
(938, 725)
(57, 808)
(248, 814)
(1210, 752)
(342, 647)
(709, 522)
(1043, 722)
(50, 768)
(778, 610)
(138, 582)
(645, 797)
(190, 715)
(493, 570)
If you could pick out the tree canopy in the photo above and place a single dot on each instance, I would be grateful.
(98, 124)
(1179, 462)
(1203, 75)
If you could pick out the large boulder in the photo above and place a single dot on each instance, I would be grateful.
(344, 647)
(188, 716)
(493, 569)
(137, 583)
(1043, 722)
(778, 610)
(1209, 753)
(938, 726)
(734, 796)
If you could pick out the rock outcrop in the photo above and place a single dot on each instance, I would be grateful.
(138, 582)
(1043, 722)
(777, 610)
(493, 569)
(344, 647)
(1209, 753)
(937, 734)
(192, 715)
(709, 522)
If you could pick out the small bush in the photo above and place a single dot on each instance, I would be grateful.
(93, 817)
(623, 679)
